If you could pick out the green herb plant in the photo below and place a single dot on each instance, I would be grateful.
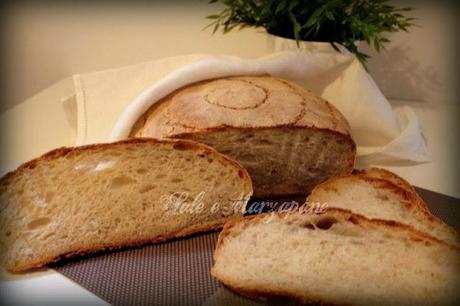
(339, 22)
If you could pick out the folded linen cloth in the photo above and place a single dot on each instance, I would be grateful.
(110, 101)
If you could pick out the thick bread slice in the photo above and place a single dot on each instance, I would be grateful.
(380, 194)
(337, 258)
(288, 138)
(105, 196)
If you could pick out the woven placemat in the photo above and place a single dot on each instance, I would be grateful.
(177, 272)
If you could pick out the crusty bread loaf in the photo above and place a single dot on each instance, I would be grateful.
(380, 194)
(337, 258)
(81, 200)
(288, 139)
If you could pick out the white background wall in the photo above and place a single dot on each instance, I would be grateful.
(45, 43)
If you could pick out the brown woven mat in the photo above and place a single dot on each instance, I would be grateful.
(177, 272)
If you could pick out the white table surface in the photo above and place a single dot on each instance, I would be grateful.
(39, 124)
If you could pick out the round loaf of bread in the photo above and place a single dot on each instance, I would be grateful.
(288, 138)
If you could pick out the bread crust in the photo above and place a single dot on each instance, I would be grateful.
(177, 145)
(280, 297)
(266, 293)
(402, 188)
(397, 180)
(335, 122)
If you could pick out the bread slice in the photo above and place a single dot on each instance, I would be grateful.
(288, 138)
(380, 194)
(80, 200)
(383, 174)
(337, 258)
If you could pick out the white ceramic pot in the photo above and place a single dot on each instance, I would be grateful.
(277, 43)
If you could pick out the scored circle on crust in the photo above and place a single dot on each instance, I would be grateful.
(234, 103)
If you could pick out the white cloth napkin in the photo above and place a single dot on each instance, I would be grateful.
(109, 102)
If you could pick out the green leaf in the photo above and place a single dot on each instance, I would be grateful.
(377, 44)
(329, 15)
(216, 27)
(293, 4)
(315, 17)
(334, 45)
(281, 6)
(242, 26)
(296, 28)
